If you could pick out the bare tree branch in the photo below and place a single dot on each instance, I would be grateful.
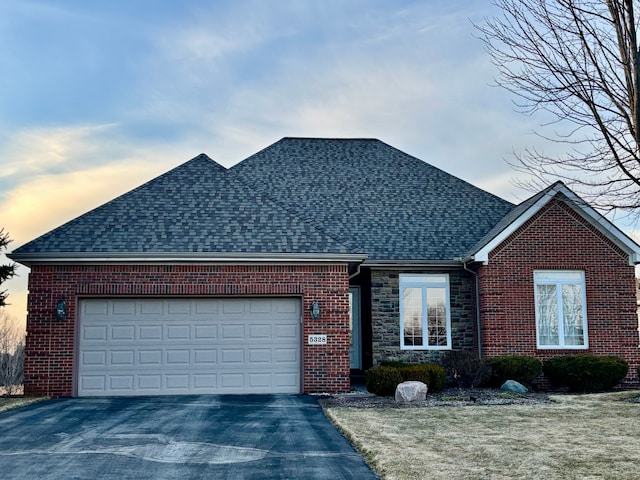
(577, 60)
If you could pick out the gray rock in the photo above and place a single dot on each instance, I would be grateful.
(408, 392)
(513, 386)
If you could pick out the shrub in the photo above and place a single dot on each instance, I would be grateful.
(383, 381)
(465, 369)
(513, 367)
(585, 372)
(394, 364)
(434, 376)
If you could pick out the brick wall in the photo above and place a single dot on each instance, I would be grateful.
(49, 364)
(556, 238)
(385, 316)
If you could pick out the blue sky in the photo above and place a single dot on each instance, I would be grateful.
(98, 97)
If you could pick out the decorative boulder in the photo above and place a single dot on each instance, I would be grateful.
(408, 392)
(513, 386)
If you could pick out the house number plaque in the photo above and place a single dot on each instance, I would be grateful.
(317, 340)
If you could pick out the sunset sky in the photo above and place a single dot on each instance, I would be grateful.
(99, 97)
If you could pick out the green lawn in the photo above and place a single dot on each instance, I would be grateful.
(578, 437)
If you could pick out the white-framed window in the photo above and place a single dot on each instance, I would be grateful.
(425, 316)
(561, 309)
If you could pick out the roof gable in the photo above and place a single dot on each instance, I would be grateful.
(527, 209)
(195, 208)
(374, 197)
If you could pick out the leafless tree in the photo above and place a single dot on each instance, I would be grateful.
(12, 339)
(578, 61)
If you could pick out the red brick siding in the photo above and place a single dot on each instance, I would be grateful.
(557, 238)
(49, 364)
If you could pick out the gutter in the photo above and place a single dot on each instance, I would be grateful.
(88, 258)
(465, 262)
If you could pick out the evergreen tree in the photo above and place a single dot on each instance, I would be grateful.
(6, 271)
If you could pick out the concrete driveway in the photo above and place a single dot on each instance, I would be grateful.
(189, 437)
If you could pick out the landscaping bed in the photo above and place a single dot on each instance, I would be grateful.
(446, 397)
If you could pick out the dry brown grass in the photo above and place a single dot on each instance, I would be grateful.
(8, 403)
(579, 437)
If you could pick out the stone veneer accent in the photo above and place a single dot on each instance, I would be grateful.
(385, 316)
(50, 347)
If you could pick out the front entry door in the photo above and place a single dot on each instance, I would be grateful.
(354, 326)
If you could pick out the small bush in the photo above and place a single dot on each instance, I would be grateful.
(394, 364)
(434, 376)
(383, 381)
(465, 369)
(513, 367)
(585, 372)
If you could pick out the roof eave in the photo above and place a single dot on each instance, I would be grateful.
(68, 258)
(410, 263)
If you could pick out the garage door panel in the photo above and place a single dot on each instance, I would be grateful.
(286, 380)
(181, 346)
(232, 307)
(260, 332)
(96, 307)
(150, 332)
(206, 307)
(286, 355)
(260, 356)
(205, 357)
(286, 307)
(150, 357)
(97, 358)
(286, 331)
(232, 332)
(258, 307)
(98, 333)
(149, 307)
(179, 307)
(205, 332)
(149, 384)
(121, 382)
(233, 381)
(123, 332)
(232, 356)
(177, 382)
(123, 308)
(122, 357)
(178, 357)
(178, 332)
(93, 383)
(205, 381)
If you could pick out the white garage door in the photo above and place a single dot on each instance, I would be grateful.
(187, 346)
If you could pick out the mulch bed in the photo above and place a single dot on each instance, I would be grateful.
(447, 397)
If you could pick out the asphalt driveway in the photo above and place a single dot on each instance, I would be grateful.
(188, 437)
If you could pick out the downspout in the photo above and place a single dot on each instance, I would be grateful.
(475, 274)
(356, 273)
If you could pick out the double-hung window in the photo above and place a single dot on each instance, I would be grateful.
(425, 317)
(561, 309)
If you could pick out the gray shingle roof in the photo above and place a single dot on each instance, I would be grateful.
(373, 197)
(194, 208)
(297, 196)
(510, 217)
